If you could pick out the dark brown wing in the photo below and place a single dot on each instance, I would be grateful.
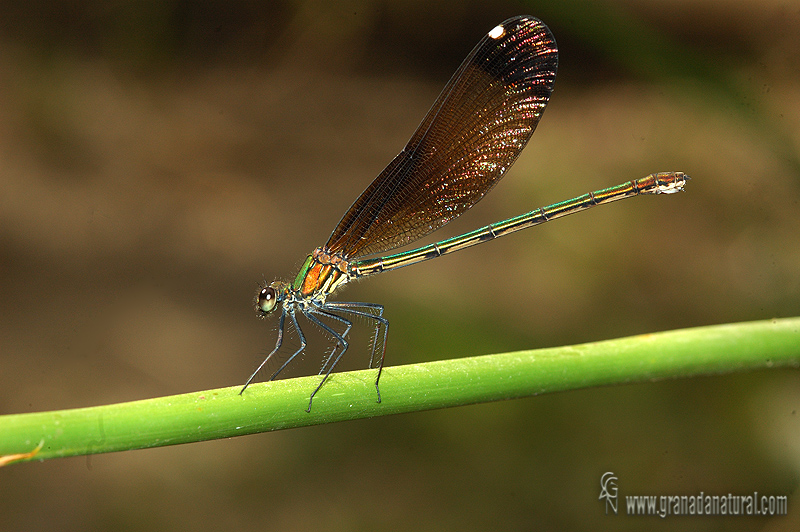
(474, 132)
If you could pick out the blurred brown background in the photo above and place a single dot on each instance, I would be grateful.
(159, 158)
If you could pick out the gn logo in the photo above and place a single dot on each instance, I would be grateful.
(608, 491)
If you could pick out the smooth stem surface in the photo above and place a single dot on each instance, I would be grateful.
(223, 413)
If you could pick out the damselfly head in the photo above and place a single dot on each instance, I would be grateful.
(268, 297)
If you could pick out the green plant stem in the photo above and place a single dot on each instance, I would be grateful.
(223, 413)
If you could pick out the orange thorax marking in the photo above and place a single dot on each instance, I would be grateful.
(322, 272)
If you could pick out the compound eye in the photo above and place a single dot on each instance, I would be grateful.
(266, 300)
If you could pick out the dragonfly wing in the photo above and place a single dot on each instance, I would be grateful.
(474, 132)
